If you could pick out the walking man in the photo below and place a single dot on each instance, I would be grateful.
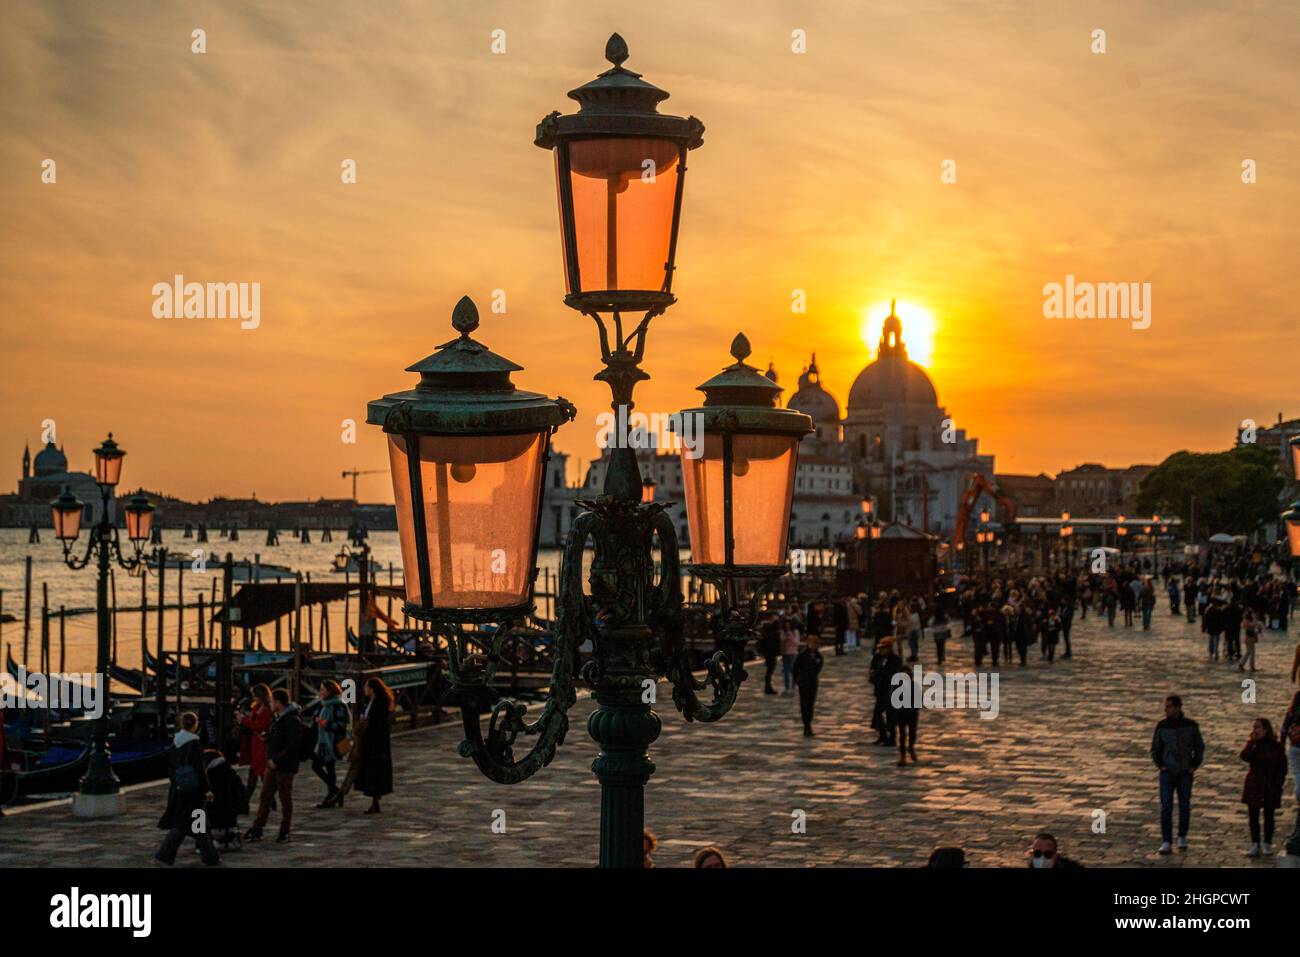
(1177, 749)
(283, 743)
(807, 668)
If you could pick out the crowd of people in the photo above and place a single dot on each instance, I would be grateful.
(206, 797)
(1008, 615)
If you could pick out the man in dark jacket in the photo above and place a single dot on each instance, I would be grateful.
(1177, 749)
(283, 743)
(185, 815)
(882, 624)
(807, 668)
(884, 663)
(840, 618)
(1212, 624)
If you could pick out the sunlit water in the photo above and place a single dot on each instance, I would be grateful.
(76, 590)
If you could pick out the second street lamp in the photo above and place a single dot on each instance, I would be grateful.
(739, 483)
(99, 793)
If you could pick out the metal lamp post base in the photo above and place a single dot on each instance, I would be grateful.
(98, 805)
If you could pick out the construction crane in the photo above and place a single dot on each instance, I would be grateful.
(354, 473)
(979, 483)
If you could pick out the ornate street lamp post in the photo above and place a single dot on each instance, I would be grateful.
(1067, 533)
(1291, 517)
(99, 794)
(1164, 531)
(869, 531)
(1121, 533)
(984, 537)
(468, 450)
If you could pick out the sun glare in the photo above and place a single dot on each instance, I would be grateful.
(918, 329)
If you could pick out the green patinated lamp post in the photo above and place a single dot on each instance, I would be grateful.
(1066, 534)
(1291, 519)
(468, 449)
(100, 794)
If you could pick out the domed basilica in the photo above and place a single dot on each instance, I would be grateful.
(894, 442)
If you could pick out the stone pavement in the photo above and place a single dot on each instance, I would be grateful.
(1071, 740)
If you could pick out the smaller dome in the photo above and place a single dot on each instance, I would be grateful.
(50, 461)
(812, 399)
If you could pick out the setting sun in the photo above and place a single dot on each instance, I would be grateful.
(918, 329)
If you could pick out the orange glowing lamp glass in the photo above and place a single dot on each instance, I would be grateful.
(739, 480)
(619, 166)
(108, 462)
(1292, 519)
(139, 518)
(66, 510)
(467, 452)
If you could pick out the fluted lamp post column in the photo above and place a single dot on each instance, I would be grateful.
(99, 794)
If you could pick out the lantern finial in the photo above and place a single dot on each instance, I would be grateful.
(740, 349)
(464, 318)
(616, 50)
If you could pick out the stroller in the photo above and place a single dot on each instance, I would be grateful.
(228, 802)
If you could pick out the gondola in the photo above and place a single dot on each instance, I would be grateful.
(134, 763)
(134, 679)
(73, 690)
(59, 769)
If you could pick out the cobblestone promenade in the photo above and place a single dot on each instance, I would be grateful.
(1071, 740)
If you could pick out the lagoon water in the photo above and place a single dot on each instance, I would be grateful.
(76, 589)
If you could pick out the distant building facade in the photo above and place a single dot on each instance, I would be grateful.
(1033, 495)
(1092, 489)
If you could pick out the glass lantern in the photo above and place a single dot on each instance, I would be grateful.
(108, 462)
(67, 511)
(620, 167)
(467, 451)
(739, 477)
(139, 518)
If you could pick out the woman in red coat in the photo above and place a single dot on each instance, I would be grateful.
(1263, 790)
(252, 738)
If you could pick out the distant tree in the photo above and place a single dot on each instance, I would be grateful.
(1236, 491)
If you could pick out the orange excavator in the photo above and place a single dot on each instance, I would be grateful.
(978, 483)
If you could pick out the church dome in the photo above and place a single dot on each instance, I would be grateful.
(892, 377)
(50, 461)
(812, 399)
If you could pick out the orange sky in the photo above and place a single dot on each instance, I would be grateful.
(820, 171)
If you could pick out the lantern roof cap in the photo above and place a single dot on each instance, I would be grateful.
(618, 102)
(618, 87)
(67, 502)
(740, 383)
(740, 398)
(464, 356)
(465, 387)
(108, 449)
